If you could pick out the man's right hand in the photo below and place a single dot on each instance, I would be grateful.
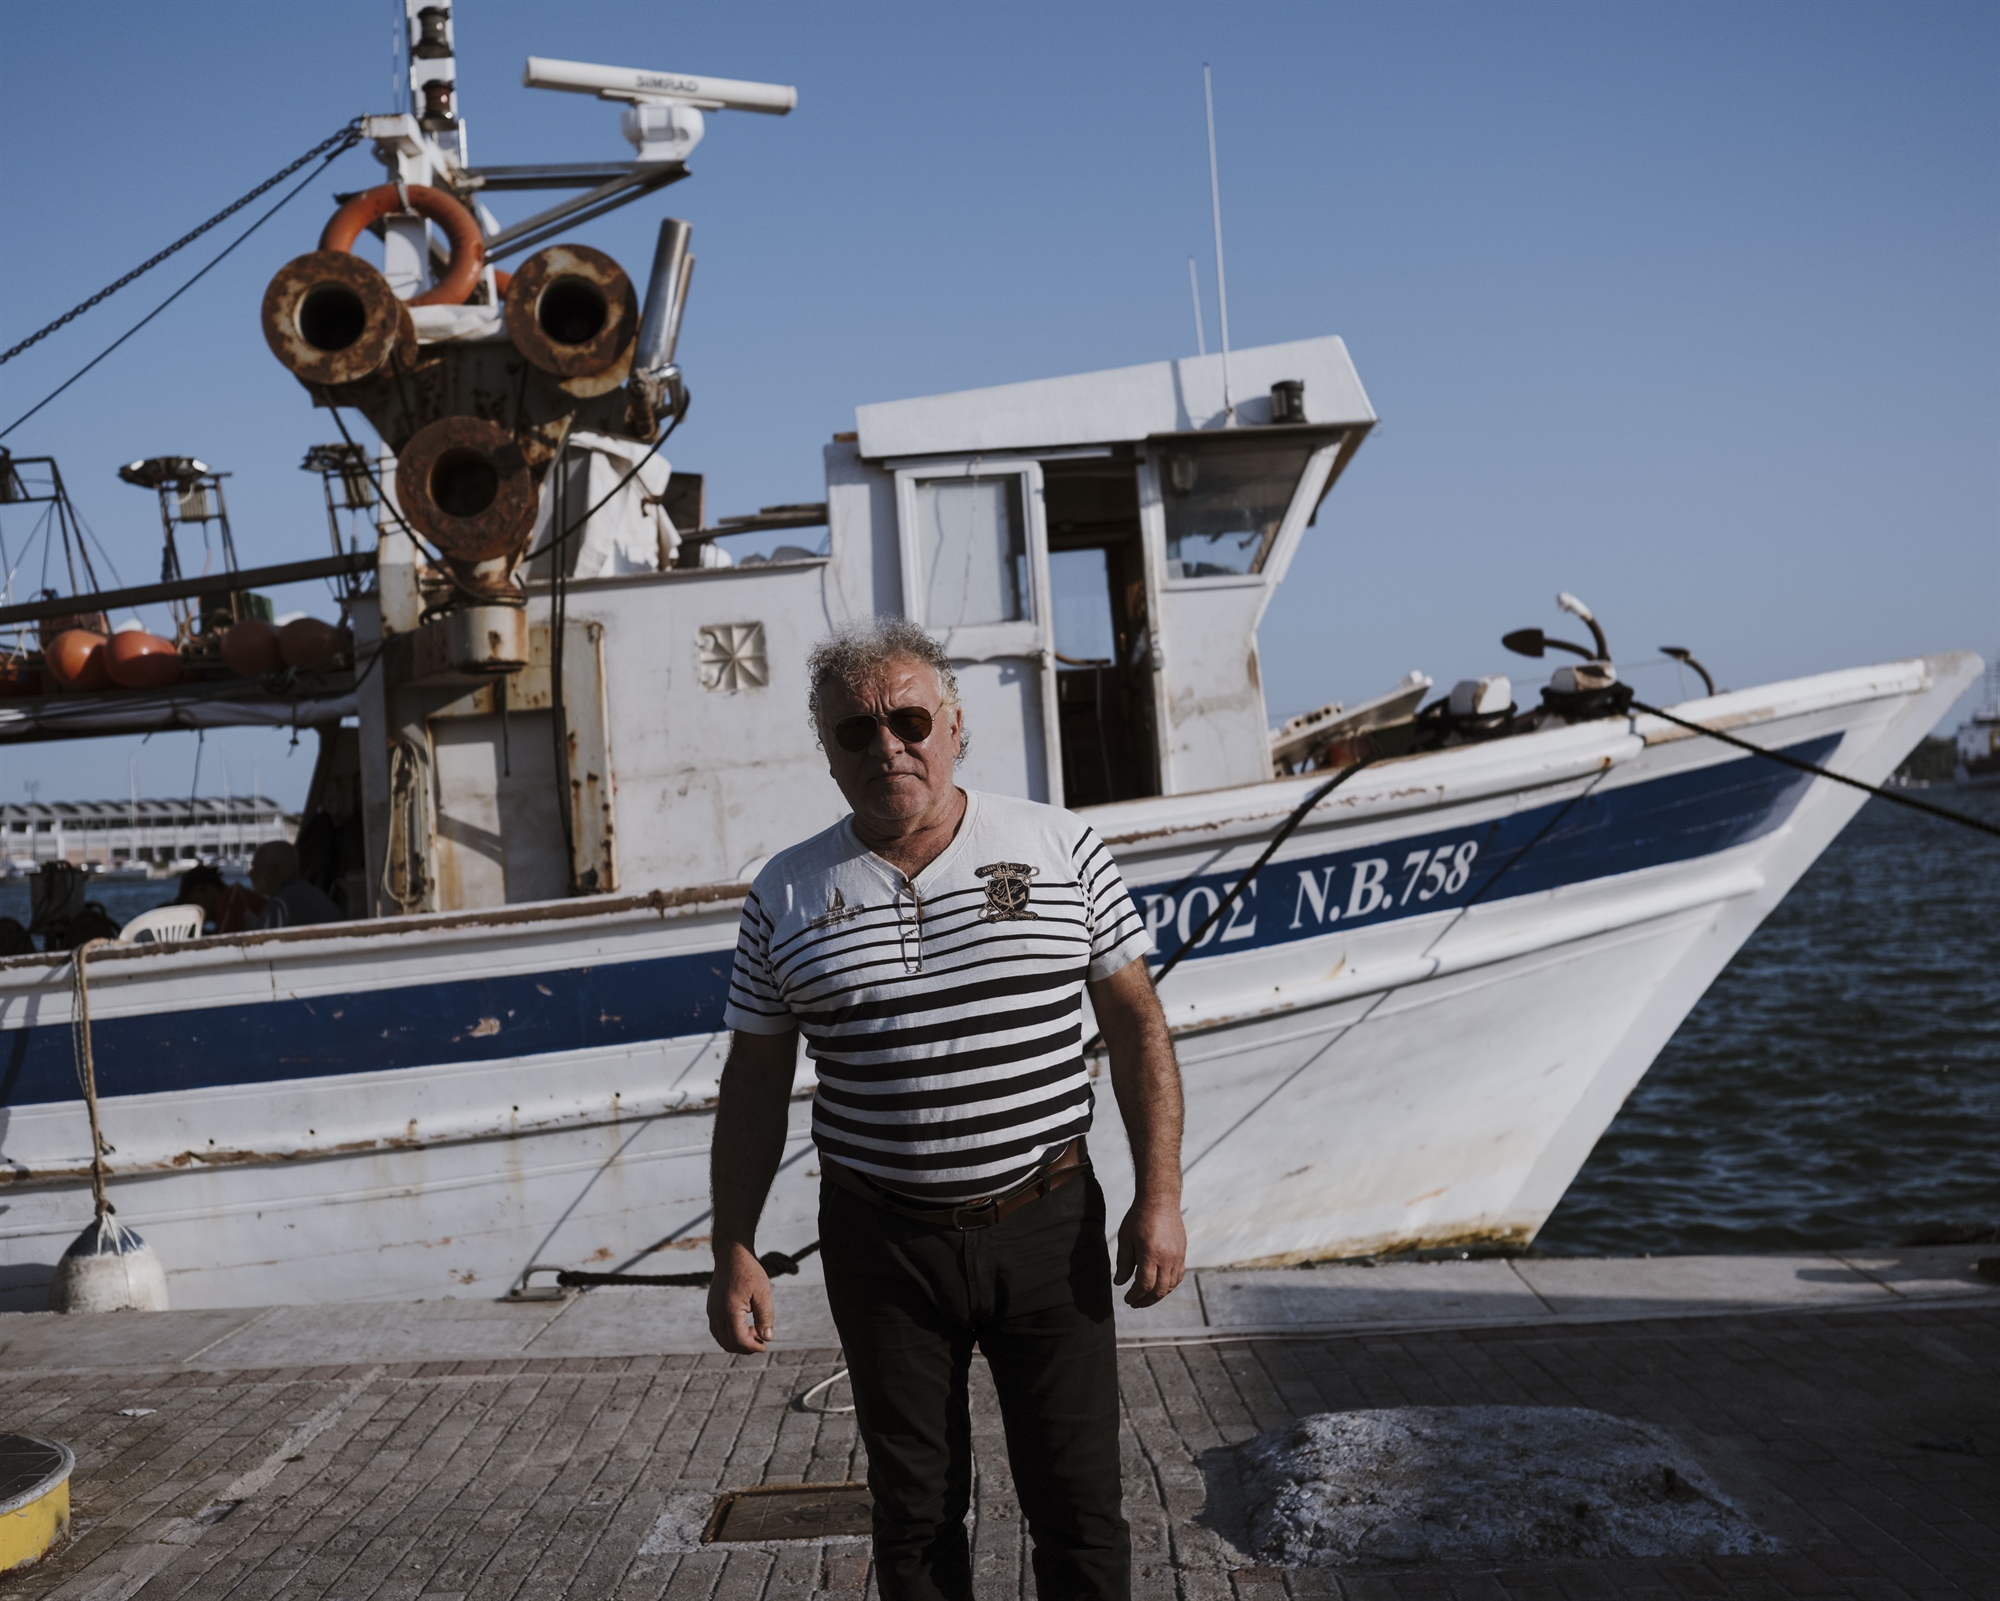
(750, 1116)
(739, 1302)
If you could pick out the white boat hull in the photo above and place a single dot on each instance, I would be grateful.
(1390, 1078)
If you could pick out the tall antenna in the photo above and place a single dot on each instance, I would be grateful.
(399, 41)
(1194, 289)
(1221, 282)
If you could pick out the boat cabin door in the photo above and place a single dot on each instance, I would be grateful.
(975, 575)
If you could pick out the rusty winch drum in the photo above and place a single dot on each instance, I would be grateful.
(465, 483)
(333, 319)
(572, 312)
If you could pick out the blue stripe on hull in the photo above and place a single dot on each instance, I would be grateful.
(1675, 818)
(569, 1009)
(1664, 820)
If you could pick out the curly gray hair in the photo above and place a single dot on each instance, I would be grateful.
(854, 653)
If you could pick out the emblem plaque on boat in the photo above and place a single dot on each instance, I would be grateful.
(732, 657)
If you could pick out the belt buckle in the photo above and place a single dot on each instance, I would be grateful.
(965, 1224)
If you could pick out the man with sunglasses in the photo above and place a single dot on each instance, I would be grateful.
(934, 948)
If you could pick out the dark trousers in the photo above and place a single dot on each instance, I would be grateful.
(1034, 1293)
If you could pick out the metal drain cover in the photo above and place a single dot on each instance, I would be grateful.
(790, 1512)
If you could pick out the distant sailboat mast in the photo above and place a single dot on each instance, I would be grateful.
(1194, 289)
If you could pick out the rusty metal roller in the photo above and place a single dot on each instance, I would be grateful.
(572, 312)
(334, 319)
(465, 483)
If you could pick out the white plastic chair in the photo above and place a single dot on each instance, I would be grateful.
(163, 924)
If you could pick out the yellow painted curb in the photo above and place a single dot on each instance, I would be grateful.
(36, 1516)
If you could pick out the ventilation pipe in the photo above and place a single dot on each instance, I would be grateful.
(666, 300)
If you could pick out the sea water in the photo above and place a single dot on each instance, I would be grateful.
(1838, 1085)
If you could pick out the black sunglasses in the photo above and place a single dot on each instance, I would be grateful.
(910, 724)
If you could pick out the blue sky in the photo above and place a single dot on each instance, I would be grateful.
(1692, 309)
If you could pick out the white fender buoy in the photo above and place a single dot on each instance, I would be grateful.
(109, 1268)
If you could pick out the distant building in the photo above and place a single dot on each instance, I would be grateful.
(151, 832)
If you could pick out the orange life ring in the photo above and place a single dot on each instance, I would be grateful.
(468, 247)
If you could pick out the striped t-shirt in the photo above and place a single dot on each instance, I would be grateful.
(943, 1015)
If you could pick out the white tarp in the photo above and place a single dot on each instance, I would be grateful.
(459, 325)
(632, 534)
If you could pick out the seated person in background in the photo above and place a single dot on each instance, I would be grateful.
(230, 907)
(290, 902)
(93, 922)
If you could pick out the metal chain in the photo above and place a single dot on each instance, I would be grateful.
(351, 134)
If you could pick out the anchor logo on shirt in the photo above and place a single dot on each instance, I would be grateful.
(1006, 891)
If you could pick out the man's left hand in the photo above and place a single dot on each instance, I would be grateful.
(1152, 1252)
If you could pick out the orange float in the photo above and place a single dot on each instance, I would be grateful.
(251, 648)
(138, 660)
(468, 245)
(307, 642)
(75, 659)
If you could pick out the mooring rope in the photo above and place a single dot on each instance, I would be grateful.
(86, 1074)
(775, 1263)
(803, 1403)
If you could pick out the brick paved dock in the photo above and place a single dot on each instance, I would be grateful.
(454, 1450)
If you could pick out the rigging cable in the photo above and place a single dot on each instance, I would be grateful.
(382, 495)
(555, 540)
(342, 141)
(1877, 790)
(1284, 833)
(1298, 816)
(347, 136)
(605, 499)
(1285, 830)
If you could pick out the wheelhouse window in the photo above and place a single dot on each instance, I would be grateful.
(1224, 500)
(972, 551)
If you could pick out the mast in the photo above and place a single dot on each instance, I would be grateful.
(1221, 281)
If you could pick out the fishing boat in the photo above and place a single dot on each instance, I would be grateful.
(1977, 763)
(561, 727)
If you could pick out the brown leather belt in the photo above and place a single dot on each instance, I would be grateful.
(1068, 1163)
